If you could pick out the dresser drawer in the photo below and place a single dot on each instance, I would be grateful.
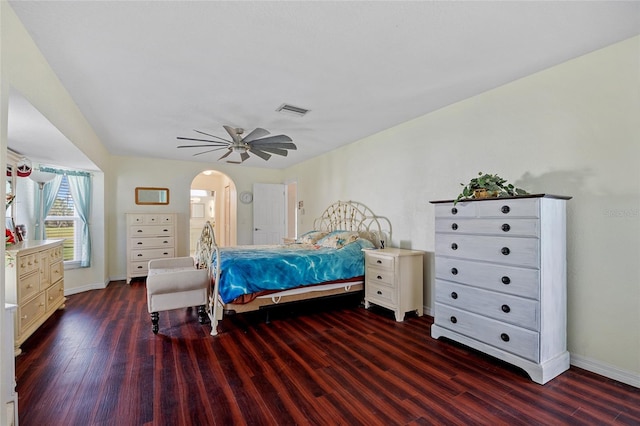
(139, 268)
(28, 263)
(28, 285)
(503, 307)
(151, 242)
(57, 271)
(54, 295)
(381, 293)
(151, 231)
(516, 340)
(30, 311)
(502, 208)
(149, 254)
(384, 262)
(502, 227)
(523, 282)
(511, 251)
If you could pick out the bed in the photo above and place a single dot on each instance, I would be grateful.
(326, 261)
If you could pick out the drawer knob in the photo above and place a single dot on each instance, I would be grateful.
(454, 211)
(454, 226)
(506, 280)
(454, 246)
(505, 251)
(379, 292)
(454, 295)
(379, 277)
(139, 230)
(504, 337)
(454, 271)
(139, 243)
(453, 319)
(139, 267)
(506, 227)
(139, 255)
(505, 209)
(165, 242)
(506, 309)
(378, 261)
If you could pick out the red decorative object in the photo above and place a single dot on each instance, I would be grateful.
(9, 238)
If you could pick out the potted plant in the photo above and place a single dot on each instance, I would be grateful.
(486, 185)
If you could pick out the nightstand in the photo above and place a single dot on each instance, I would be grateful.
(393, 280)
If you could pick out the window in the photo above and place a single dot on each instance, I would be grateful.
(63, 222)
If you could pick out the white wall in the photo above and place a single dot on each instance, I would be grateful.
(569, 130)
(131, 172)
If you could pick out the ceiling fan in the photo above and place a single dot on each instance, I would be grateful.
(255, 142)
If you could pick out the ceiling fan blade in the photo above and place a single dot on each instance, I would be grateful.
(276, 151)
(204, 140)
(282, 145)
(257, 133)
(225, 155)
(243, 156)
(276, 138)
(260, 154)
(210, 150)
(213, 136)
(201, 146)
(233, 133)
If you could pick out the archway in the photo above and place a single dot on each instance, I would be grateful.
(213, 199)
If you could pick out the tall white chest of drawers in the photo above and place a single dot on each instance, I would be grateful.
(149, 236)
(501, 280)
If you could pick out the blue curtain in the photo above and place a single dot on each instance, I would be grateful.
(50, 191)
(80, 187)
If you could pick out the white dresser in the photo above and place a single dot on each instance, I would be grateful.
(501, 279)
(393, 280)
(34, 277)
(149, 236)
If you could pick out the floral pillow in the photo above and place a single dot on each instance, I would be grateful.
(338, 239)
(311, 237)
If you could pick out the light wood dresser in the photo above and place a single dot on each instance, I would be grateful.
(34, 277)
(393, 280)
(501, 279)
(149, 236)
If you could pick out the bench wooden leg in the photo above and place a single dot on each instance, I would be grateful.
(202, 314)
(155, 318)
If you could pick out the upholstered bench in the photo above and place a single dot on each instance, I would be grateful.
(173, 284)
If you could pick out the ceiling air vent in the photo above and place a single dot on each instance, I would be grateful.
(290, 109)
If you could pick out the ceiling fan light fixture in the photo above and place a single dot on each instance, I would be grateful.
(293, 110)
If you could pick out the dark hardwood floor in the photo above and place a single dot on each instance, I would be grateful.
(98, 363)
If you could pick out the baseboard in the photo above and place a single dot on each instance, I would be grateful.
(598, 367)
(76, 290)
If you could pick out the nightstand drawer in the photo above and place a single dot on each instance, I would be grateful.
(516, 340)
(384, 262)
(382, 294)
(514, 310)
(380, 276)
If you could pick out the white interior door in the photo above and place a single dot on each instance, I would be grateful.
(268, 213)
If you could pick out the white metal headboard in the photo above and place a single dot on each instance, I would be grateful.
(355, 216)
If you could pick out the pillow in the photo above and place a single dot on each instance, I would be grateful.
(338, 239)
(311, 237)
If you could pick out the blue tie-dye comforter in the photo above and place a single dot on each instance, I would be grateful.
(250, 269)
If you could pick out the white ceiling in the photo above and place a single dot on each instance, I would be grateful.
(146, 72)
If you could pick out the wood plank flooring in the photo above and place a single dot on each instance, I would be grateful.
(98, 363)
